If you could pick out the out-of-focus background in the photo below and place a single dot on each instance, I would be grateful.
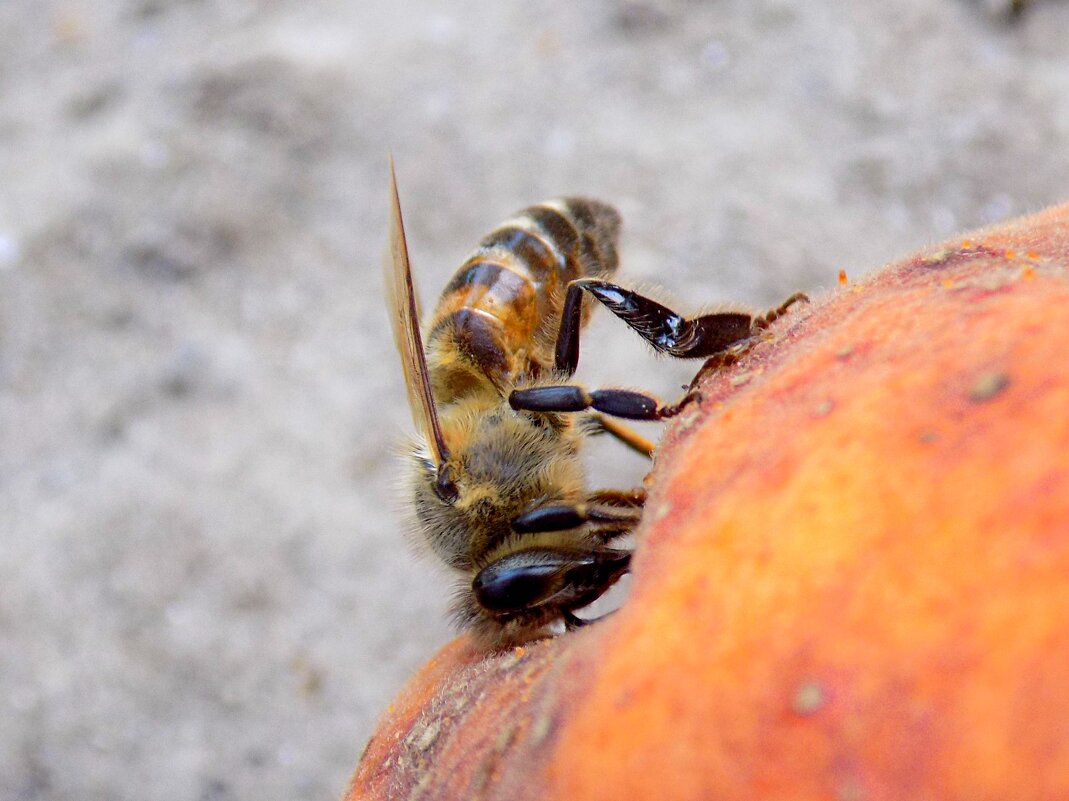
(204, 590)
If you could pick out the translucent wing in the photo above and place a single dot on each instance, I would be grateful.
(404, 316)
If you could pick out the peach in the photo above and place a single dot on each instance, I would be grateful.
(851, 580)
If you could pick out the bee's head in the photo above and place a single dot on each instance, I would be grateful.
(499, 463)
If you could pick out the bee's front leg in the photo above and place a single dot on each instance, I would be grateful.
(554, 578)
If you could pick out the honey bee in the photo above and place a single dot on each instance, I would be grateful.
(498, 489)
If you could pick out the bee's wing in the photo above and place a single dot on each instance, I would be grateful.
(404, 316)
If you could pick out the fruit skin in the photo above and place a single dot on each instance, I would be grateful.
(852, 580)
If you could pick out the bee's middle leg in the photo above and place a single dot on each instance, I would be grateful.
(626, 403)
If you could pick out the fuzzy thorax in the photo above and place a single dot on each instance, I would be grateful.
(502, 463)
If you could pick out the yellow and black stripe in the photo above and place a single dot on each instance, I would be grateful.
(499, 314)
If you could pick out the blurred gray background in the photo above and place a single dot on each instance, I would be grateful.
(204, 590)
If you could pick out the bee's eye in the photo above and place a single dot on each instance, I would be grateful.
(444, 486)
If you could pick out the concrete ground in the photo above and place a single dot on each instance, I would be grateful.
(204, 590)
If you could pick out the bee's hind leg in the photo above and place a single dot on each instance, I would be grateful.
(665, 329)
(731, 354)
(770, 316)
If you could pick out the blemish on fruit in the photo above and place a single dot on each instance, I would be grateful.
(511, 659)
(658, 512)
(808, 698)
(423, 738)
(988, 386)
(505, 739)
(541, 728)
(850, 790)
(460, 702)
(420, 789)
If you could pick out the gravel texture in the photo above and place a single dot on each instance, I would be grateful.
(204, 590)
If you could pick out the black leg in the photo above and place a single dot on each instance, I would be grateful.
(624, 403)
(736, 351)
(666, 330)
(607, 519)
(566, 356)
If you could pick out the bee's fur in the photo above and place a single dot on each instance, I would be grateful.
(504, 461)
(493, 331)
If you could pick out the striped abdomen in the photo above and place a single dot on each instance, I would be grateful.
(497, 319)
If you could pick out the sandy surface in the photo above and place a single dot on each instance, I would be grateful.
(203, 590)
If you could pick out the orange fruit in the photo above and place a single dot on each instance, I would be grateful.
(851, 581)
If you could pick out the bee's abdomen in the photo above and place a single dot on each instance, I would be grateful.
(503, 306)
